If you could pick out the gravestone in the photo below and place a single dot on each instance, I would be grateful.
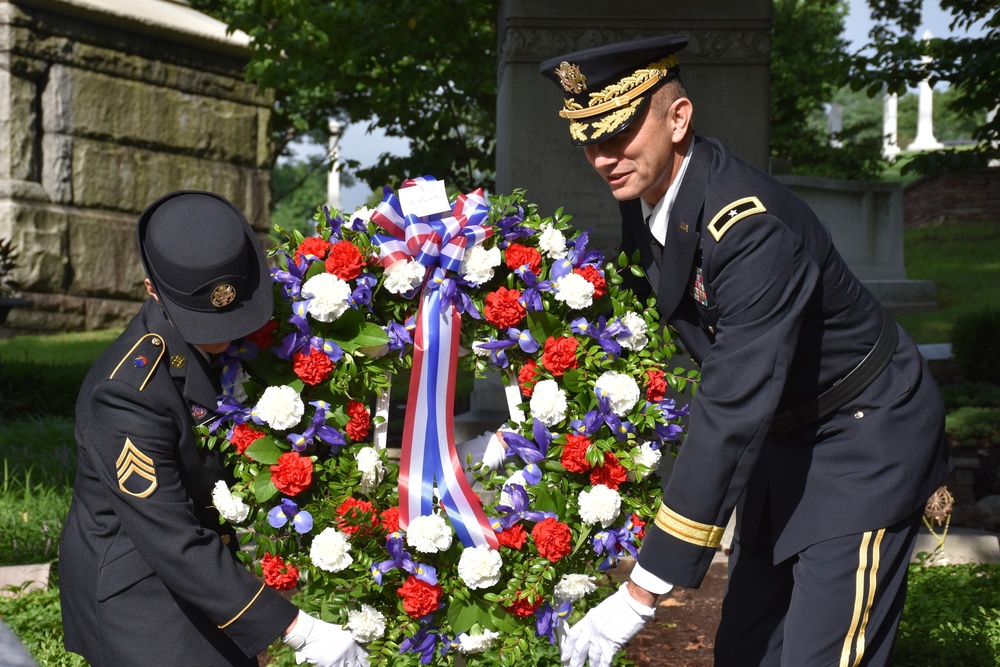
(105, 106)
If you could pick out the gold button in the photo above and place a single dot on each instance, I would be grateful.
(225, 539)
(711, 330)
(178, 361)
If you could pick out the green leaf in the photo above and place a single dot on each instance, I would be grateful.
(463, 614)
(264, 450)
(263, 488)
(543, 324)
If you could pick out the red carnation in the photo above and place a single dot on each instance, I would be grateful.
(574, 455)
(611, 473)
(361, 421)
(314, 246)
(513, 537)
(263, 338)
(345, 260)
(419, 597)
(312, 366)
(518, 255)
(244, 436)
(293, 474)
(503, 310)
(527, 377)
(279, 574)
(594, 277)
(390, 519)
(521, 607)
(641, 525)
(656, 386)
(559, 354)
(553, 538)
(354, 515)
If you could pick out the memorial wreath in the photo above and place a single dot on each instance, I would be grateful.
(479, 549)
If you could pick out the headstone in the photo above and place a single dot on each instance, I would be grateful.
(890, 126)
(105, 106)
(925, 141)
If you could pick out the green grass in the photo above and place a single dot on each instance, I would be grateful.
(36, 619)
(57, 349)
(963, 259)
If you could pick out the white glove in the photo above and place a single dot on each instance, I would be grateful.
(599, 634)
(324, 644)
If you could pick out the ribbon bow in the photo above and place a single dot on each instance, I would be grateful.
(428, 455)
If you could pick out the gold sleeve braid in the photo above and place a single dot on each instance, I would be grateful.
(688, 530)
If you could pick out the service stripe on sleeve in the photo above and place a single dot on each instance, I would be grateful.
(701, 534)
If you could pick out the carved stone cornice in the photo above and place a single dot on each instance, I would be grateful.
(747, 42)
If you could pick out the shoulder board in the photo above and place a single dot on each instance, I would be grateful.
(733, 213)
(139, 363)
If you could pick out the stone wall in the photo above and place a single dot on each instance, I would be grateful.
(101, 112)
(971, 197)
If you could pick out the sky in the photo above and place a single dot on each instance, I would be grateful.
(358, 145)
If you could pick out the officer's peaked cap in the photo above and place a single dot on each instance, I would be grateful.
(206, 266)
(606, 87)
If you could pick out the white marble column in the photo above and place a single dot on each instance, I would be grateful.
(890, 126)
(925, 140)
(333, 176)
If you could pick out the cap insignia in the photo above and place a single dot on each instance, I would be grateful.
(571, 78)
(223, 295)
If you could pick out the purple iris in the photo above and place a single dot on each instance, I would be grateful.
(230, 360)
(318, 429)
(511, 228)
(451, 294)
(524, 339)
(290, 278)
(403, 561)
(669, 411)
(230, 409)
(362, 294)
(531, 297)
(549, 618)
(288, 511)
(606, 334)
(399, 337)
(530, 452)
(620, 427)
(518, 508)
(614, 543)
(497, 348)
(423, 642)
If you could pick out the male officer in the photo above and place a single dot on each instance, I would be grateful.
(148, 576)
(815, 411)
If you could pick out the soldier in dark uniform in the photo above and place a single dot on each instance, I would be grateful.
(816, 416)
(148, 576)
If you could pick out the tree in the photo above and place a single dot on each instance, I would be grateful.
(423, 70)
(809, 63)
(970, 65)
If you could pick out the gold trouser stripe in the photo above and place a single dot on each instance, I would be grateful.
(701, 534)
(862, 605)
(242, 611)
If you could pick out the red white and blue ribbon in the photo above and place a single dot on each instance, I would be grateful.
(429, 457)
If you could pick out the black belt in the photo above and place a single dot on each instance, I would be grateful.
(847, 387)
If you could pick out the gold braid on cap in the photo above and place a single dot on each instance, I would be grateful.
(622, 93)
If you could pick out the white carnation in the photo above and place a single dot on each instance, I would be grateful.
(575, 291)
(479, 567)
(371, 468)
(552, 242)
(428, 534)
(479, 350)
(478, 264)
(232, 508)
(404, 275)
(330, 296)
(645, 455)
(364, 214)
(599, 505)
(280, 407)
(572, 587)
(621, 389)
(548, 403)
(477, 643)
(331, 550)
(366, 624)
(637, 328)
(239, 393)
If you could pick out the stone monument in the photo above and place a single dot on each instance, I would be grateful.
(104, 106)
(925, 141)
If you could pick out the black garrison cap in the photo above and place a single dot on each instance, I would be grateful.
(607, 87)
(206, 266)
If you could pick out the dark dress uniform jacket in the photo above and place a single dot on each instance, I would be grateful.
(148, 576)
(760, 298)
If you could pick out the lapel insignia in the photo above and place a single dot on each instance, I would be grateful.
(733, 213)
(136, 471)
(178, 361)
(696, 287)
(198, 412)
(684, 227)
